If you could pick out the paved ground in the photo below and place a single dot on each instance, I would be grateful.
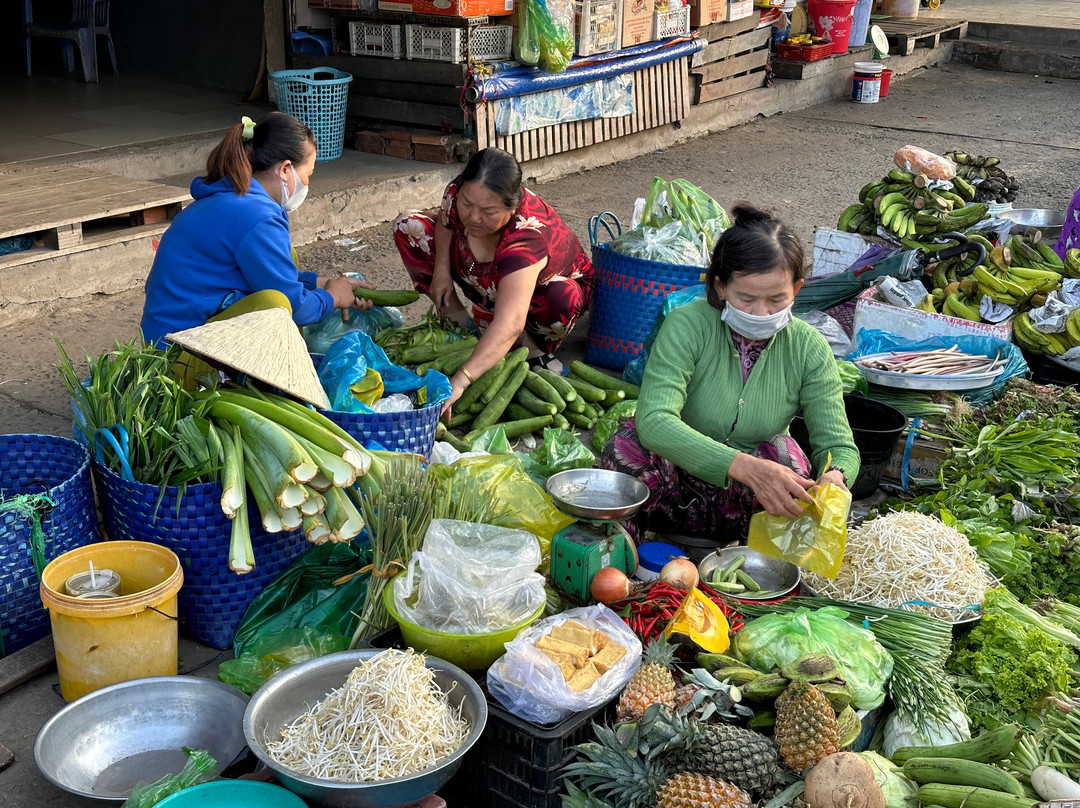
(807, 166)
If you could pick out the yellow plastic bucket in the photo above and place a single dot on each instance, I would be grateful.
(102, 642)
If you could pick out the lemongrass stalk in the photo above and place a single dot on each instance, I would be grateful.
(268, 508)
(241, 553)
(291, 519)
(298, 421)
(317, 529)
(342, 515)
(320, 482)
(315, 503)
(264, 434)
(232, 491)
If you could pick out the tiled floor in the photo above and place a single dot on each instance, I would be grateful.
(60, 114)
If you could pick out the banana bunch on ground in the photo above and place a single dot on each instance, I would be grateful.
(994, 186)
(902, 203)
(1018, 274)
(763, 689)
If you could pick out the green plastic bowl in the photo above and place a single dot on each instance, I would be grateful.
(473, 652)
(233, 794)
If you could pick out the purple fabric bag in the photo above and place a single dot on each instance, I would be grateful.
(1070, 234)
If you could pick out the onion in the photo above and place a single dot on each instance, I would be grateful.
(680, 573)
(609, 584)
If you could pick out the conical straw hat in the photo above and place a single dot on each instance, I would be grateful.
(265, 345)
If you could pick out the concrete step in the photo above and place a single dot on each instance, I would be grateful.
(1026, 34)
(1049, 60)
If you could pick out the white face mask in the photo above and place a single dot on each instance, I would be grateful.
(291, 202)
(756, 326)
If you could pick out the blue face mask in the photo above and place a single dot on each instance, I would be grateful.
(756, 326)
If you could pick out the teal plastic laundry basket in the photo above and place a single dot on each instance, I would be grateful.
(318, 97)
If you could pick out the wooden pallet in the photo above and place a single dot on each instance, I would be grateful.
(732, 65)
(906, 35)
(70, 209)
(661, 97)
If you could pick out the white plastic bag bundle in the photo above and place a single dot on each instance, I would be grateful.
(471, 579)
(531, 686)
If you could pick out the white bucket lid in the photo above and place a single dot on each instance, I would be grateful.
(868, 67)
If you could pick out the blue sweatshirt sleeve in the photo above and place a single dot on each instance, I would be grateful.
(309, 280)
(265, 260)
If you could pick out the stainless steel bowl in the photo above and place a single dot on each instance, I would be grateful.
(294, 691)
(1050, 222)
(771, 574)
(100, 745)
(597, 494)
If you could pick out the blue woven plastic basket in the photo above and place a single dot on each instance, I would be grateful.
(629, 294)
(412, 431)
(59, 468)
(318, 97)
(213, 599)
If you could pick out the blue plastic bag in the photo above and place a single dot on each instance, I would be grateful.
(635, 370)
(871, 341)
(348, 361)
(321, 335)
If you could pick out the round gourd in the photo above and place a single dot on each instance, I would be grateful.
(843, 780)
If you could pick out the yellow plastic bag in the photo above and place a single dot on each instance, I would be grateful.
(699, 623)
(369, 389)
(814, 541)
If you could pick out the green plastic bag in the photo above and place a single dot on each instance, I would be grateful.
(851, 377)
(275, 651)
(561, 451)
(200, 768)
(610, 422)
(315, 591)
(493, 441)
(777, 639)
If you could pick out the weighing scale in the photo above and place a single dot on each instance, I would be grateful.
(597, 498)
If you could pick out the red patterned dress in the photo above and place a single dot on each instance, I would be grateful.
(564, 288)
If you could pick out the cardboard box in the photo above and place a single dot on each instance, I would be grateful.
(872, 312)
(923, 461)
(637, 21)
(707, 12)
(343, 5)
(451, 8)
(738, 9)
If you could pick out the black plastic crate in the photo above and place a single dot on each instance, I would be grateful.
(515, 764)
(1045, 370)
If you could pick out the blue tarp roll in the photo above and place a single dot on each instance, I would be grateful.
(522, 80)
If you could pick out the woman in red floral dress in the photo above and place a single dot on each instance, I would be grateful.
(517, 262)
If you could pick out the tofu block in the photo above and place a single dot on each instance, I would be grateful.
(579, 654)
(608, 656)
(583, 678)
(575, 636)
(565, 663)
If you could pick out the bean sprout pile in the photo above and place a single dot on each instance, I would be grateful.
(389, 719)
(906, 557)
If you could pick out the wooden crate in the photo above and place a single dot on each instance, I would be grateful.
(906, 35)
(387, 94)
(731, 65)
(661, 97)
(74, 209)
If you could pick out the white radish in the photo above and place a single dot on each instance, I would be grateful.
(1050, 784)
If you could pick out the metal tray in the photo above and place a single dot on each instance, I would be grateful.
(597, 494)
(913, 381)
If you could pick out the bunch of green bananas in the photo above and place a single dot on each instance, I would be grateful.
(1053, 344)
(858, 218)
(974, 166)
(1070, 267)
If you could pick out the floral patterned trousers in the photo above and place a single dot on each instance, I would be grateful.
(680, 503)
(555, 307)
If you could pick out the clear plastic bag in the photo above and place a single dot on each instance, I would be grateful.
(667, 244)
(475, 553)
(775, 640)
(200, 768)
(430, 597)
(814, 541)
(920, 161)
(554, 20)
(321, 335)
(531, 686)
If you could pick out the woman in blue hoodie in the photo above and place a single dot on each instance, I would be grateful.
(229, 252)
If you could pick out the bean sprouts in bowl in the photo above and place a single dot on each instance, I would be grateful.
(300, 721)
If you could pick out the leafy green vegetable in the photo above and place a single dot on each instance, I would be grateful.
(1006, 667)
(851, 377)
(899, 791)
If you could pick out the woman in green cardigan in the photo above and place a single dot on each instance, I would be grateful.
(725, 377)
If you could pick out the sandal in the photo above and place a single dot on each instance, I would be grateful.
(549, 362)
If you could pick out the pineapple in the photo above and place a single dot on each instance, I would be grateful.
(652, 683)
(806, 728)
(684, 695)
(611, 774)
(742, 757)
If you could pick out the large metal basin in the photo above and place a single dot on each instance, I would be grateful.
(597, 494)
(294, 691)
